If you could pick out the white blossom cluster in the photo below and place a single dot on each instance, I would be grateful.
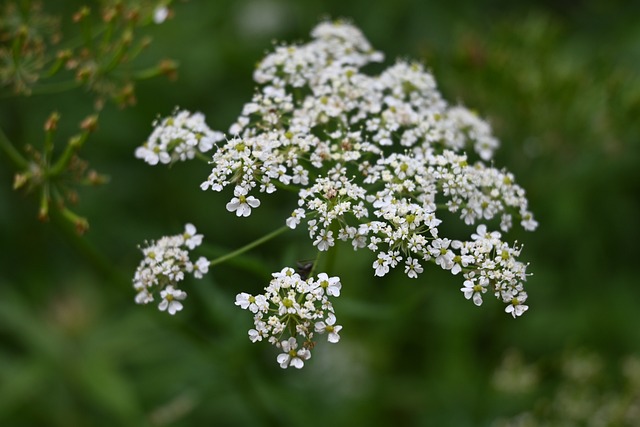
(375, 160)
(164, 265)
(178, 138)
(379, 161)
(291, 312)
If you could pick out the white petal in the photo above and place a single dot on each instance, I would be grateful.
(233, 204)
(174, 307)
(297, 363)
(243, 210)
(477, 299)
(283, 360)
(253, 202)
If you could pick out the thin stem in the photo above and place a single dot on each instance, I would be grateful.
(148, 73)
(11, 152)
(57, 87)
(74, 144)
(203, 157)
(249, 246)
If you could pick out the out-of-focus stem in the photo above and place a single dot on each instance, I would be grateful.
(73, 146)
(12, 153)
(51, 88)
(249, 246)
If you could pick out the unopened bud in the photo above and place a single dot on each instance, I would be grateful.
(52, 122)
(90, 124)
(169, 68)
(19, 180)
(81, 14)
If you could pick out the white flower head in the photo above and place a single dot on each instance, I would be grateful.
(171, 300)
(324, 240)
(201, 267)
(191, 239)
(166, 263)
(291, 357)
(474, 290)
(178, 137)
(329, 326)
(253, 304)
(330, 285)
(412, 268)
(516, 306)
(241, 204)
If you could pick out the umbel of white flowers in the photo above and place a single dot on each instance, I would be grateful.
(378, 161)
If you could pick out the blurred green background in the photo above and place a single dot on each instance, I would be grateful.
(559, 82)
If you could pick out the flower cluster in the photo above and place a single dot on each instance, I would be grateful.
(380, 162)
(291, 312)
(178, 138)
(164, 265)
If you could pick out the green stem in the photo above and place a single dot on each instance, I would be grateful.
(52, 88)
(147, 73)
(203, 157)
(11, 152)
(74, 144)
(249, 246)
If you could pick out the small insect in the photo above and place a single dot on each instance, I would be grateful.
(304, 268)
(309, 345)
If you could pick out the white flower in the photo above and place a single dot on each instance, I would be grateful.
(293, 221)
(381, 264)
(241, 204)
(330, 328)
(254, 304)
(191, 239)
(291, 357)
(152, 156)
(444, 256)
(171, 300)
(201, 267)
(255, 335)
(482, 234)
(144, 297)
(324, 240)
(412, 268)
(516, 306)
(474, 291)
(331, 285)
(160, 14)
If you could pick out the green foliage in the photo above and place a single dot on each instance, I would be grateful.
(558, 82)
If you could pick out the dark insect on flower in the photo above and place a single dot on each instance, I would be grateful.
(304, 268)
